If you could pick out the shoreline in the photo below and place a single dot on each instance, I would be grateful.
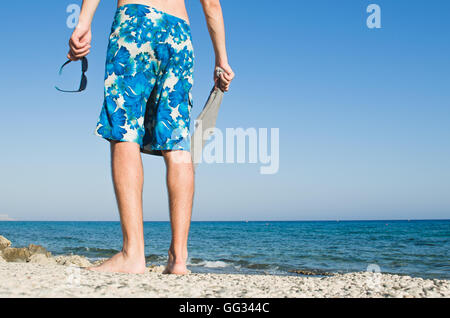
(88, 256)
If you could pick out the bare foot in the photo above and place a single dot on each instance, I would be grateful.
(177, 269)
(121, 263)
(176, 266)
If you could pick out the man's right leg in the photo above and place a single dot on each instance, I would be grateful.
(128, 178)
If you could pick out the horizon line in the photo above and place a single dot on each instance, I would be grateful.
(222, 221)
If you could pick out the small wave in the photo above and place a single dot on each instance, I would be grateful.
(208, 264)
(249, 265)
(215, 264)
(237, 265)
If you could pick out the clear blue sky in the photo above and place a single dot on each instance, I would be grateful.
(364, 115)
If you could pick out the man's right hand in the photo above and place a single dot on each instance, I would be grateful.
(225, 77)
(80, 42)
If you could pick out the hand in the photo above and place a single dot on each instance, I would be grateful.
(225, 78)
(80, 42)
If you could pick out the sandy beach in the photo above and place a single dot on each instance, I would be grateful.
(39, 280)
(34, 272)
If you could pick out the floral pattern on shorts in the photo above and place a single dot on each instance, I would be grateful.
(148, 80)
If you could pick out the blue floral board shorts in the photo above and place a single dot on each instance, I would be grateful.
(148, 80)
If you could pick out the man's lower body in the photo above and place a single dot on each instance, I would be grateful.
(148, 81)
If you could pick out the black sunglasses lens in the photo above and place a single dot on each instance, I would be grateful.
(84, 64)
(83, 83)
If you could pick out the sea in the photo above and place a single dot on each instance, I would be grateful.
(414, 248)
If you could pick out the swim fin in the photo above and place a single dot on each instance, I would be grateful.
(205, 121)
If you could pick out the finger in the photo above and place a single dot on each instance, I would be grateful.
(75, 57)
(222, 77)
(224, 80)
(79, 56)
(75, 42)
(224, 87)
(80, 51)
(71, 57)
(229, 76)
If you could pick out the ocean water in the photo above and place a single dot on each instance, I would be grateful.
(416, 248)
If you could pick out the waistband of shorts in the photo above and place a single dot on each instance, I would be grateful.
(154, 10)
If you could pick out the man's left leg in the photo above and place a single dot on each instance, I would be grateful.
(180, 186)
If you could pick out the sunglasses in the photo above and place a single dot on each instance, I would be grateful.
(83, 83)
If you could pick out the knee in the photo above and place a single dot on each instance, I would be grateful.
(122, 149)
(177, 157)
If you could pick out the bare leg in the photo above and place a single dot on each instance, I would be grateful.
(180, 185)
(127, 173)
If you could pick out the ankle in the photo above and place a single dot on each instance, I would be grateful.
(133, 253)
(179, 261)
(178, 257)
